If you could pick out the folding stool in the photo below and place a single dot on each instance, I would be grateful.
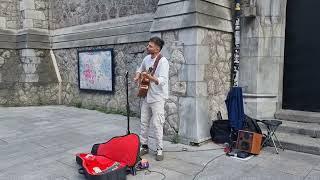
(272, 126)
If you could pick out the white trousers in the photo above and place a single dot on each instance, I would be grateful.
(152, 114)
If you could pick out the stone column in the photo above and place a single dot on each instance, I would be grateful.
(33, 35)
(262, 56)
(198, 41)
(37, 82)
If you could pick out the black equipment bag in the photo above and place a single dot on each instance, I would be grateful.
(252, 125)
(220, 131)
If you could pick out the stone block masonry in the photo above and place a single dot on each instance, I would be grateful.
(198, 45)
(27, 75)
(72, 13)
(199, 80)
(34, 13)
(9, 18)
(27, 78)
(127, 57)
(262, 58)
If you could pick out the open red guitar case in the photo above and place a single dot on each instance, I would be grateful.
(111, 160)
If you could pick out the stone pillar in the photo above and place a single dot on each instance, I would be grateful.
(262, 56)
(198, 41)
(32, 35)
(37, 81)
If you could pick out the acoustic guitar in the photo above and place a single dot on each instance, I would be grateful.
(144, 84)
(144, 81)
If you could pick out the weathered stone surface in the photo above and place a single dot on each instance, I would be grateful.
(196, 89)
(27, 78)
(41, 4)
(191, 73)
(217, 72)
(127, 57)
(8, 14)
(1, 61)
(70, 13)
(11, 24)
(4, 54)
(171, 108)
(3, 23)
(262, 56)
(199, 68)
(187, 14)
(11, 66)
(22, 94)
(173, 121)
(33, 14)
(179, 88)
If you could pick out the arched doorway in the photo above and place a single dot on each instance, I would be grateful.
(301, 86)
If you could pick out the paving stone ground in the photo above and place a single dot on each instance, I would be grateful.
(40, 143)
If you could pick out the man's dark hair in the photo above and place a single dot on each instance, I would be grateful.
(158, 41)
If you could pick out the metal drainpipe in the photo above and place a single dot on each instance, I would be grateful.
(236, 51)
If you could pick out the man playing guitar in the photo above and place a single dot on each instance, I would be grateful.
(152, 109)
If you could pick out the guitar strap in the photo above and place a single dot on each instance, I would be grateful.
(155, 65)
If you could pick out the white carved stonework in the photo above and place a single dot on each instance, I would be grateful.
(29, 68)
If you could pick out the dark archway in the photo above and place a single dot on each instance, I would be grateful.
(301, 86)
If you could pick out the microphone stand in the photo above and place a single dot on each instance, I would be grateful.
(128, 108)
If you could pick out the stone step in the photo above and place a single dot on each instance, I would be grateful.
(299, 143)
(298, 116)
(308, 129)
(299, 136)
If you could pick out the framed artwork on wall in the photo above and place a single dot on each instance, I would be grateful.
(95, 68)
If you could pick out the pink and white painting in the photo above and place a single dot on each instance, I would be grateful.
(95, 70)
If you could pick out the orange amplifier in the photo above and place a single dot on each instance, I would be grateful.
(249, 142)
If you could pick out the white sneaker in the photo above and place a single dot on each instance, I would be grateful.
(159, 156)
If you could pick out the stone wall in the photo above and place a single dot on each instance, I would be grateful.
(41, 6)
(67, 13)
(217, 72)
(27, 77)
(215, 51)
(9, 17)
(127, 57)
(174, 52)
(262, 57)
(34, 14)
(198, 47)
